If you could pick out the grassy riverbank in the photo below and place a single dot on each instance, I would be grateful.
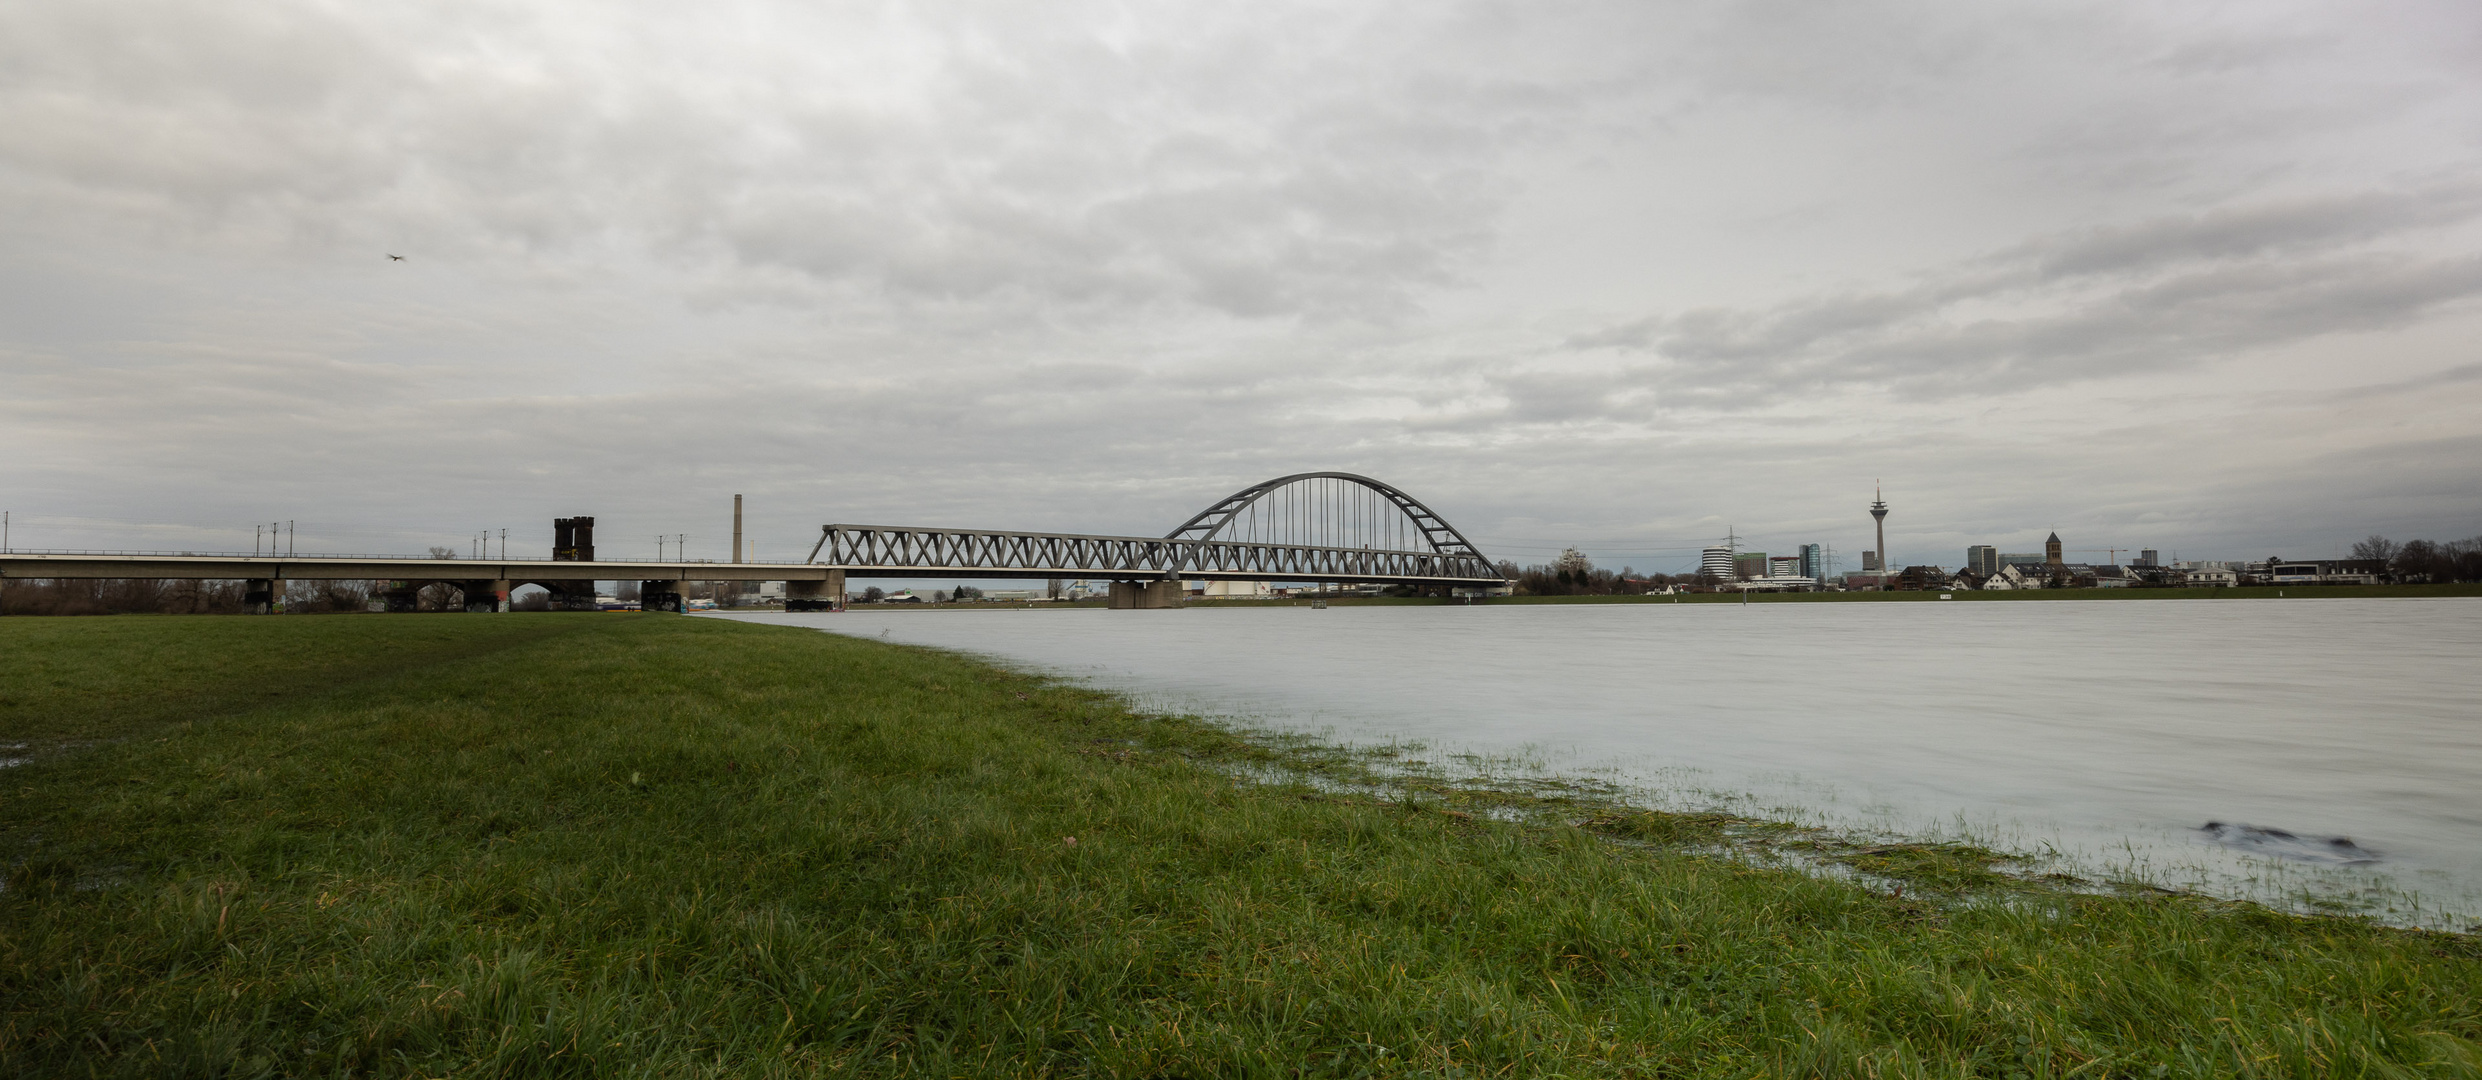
(641, 845)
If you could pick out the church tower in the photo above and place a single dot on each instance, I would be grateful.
(2051, 551)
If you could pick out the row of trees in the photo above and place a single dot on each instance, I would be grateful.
(148, 596)
(1573, 574)
(2425, 560)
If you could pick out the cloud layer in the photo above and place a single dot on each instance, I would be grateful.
(1625, 274)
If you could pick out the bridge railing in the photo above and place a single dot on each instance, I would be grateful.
(893, 547)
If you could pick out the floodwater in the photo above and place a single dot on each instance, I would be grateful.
(2300, 751)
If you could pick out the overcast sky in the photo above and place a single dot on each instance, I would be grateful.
(2204, 278)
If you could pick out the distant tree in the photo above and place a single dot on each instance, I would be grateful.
(2416, 560)
(2462, 559)
(327, 596)
(874, 594)
(440, 595)
(966, 592)
(118, 596)
(2376, 547)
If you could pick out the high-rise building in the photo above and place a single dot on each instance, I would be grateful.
(1716, 563)
(1783, 566)
(2148, 557)
(1878, 513)
(1750, 564)
(1982, 560)
(1813, 562)
(1870, 561)
(2051, 551)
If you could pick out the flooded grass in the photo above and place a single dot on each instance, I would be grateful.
(641, 845)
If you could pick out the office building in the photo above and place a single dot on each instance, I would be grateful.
(1813, 562)
(1982, 560)
(1749, 564)
(2148, 557)
(1784, 566)
(1716, 563)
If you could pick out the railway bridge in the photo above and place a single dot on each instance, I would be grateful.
(1319, 527)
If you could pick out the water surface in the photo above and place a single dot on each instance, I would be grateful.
(2113, 732)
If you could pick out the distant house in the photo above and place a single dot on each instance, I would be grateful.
(1234, 590)
(2016, 576)
(2116, 577)
(2322, 571)
(2211, 577)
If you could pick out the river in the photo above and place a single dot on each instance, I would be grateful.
(2334, 746)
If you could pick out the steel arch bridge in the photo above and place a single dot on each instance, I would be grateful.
(1316, 526)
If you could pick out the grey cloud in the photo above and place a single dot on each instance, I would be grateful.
(1055, 172)
(1085, 267)
(2248, 230)
(2160, 294)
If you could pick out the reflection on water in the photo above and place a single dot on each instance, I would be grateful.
(2126, 735)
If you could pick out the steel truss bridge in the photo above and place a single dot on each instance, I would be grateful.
(1329, 527)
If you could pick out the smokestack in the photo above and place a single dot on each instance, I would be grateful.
(736, 528)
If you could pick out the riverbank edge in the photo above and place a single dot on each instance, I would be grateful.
(1412, 776)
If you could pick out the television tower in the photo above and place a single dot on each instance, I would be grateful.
(1878, 512)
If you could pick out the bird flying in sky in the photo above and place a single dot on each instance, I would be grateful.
(399, 258)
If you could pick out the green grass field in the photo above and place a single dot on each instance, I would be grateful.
(618, 845)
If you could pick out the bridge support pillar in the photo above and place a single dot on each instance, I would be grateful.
(1145, 595)
(481, 596)
(828, 595)
(263, 596)
(661, 596)
(398, 596)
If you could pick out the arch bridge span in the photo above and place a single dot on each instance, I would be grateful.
(1318, 526)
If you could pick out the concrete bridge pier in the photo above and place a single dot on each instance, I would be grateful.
(1145, 595)
(828, 595)
(661, 596)
(263, 596)
(481, 596)
(399, 597)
